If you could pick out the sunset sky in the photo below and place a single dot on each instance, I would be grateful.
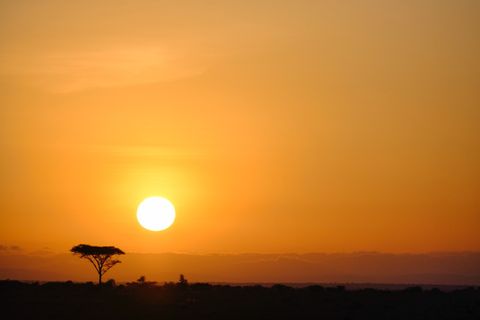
(272, 126)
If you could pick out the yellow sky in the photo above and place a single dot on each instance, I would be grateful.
(273, 126)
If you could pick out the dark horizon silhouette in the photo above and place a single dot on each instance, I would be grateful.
(146, 300)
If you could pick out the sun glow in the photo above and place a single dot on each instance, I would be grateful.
(156, 213)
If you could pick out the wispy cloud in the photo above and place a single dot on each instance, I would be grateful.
(105, 67)
(132, 151)
(145, 151)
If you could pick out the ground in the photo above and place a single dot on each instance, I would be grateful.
(143, 300)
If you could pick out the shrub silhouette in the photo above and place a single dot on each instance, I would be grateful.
(100, 257)
(142, 281)
(182, 281)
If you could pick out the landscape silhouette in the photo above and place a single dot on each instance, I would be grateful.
(143, 299)
(181, 300)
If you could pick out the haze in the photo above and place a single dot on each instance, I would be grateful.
(273, 126)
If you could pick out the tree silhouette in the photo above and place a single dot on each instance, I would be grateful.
(182, 281)
(100, 257)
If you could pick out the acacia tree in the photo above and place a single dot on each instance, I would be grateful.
(100, 257)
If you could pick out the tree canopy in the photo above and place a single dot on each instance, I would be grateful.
(100, 257)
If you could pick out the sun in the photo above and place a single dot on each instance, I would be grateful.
(156, 213)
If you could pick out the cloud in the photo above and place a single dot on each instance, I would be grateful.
(133, 151)
(460, 268)
(146, 151)
(9, 248)
(106, 67)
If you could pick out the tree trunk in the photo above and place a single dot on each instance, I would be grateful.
(99, 279)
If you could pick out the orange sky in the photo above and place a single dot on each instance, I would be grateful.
(273, 126)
